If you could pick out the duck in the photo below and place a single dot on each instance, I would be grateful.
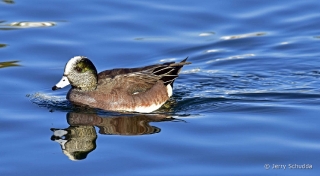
(143, 90)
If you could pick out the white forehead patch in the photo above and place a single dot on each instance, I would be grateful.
(71, 63)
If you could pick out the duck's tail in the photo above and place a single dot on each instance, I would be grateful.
(169, 71)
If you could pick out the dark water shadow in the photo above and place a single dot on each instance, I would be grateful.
(9, 63)
(79, 139)
(8, 1)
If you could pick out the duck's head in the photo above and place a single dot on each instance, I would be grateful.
(80, 73)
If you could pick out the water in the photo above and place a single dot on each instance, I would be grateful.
(249, 100)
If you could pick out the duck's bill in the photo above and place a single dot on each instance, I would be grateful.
(62, 83)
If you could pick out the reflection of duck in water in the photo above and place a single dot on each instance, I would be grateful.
(76, 141)
(120, 125)
(79, 139)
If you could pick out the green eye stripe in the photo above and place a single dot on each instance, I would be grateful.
(83, 66)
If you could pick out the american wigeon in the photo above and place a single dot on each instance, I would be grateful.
(143, 89)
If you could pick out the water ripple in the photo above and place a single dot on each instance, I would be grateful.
(231, 58)
(27, 24)
(205, 34)
(50, 102)
(255, 34)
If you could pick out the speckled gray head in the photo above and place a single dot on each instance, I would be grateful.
(80, 73)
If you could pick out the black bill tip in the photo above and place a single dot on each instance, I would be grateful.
(55, 88)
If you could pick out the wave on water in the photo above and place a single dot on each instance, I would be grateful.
(51, 102)
(215, 90)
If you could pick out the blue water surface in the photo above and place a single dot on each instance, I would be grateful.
(248, 103)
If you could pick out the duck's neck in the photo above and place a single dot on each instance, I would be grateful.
(87, 82)
(85, 88)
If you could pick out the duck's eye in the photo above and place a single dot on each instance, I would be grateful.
(78, 69)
